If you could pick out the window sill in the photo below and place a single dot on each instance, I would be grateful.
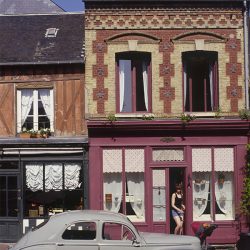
(201, 114)
(133, 115)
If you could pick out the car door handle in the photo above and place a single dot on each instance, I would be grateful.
(59, 244)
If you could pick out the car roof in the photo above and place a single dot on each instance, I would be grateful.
(70, 216)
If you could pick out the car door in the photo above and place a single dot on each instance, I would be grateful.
(118, 236)
(81, 235)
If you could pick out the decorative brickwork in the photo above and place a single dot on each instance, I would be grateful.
(165, 34)
(234, 70)
(162, 19)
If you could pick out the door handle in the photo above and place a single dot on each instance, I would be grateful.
(59, 244)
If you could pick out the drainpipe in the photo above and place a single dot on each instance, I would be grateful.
(246, 53)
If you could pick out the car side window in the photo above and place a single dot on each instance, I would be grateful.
(117, 231)
(80, 231)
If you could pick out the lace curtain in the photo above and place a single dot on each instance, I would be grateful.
(201, 184)
(145, 83)
(224, 194)
(53, 176)
(26, 103)
(45, 98)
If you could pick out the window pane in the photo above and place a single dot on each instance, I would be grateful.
(12, 203)
(3, 210)
(53, 177)
(202, 203)
(112, 191)
(168, 154)
(125, 78)
(80, 231)
(8, 165)
(116, 231)
(224, 195)
(141, 69)
(159, 195)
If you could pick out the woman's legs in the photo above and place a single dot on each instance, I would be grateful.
(179, 225)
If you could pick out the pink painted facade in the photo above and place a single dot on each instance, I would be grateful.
(154, 135)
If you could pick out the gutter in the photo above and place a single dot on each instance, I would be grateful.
(246, 56)
(43, 63)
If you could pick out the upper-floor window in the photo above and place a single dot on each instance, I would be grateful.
(200, 74)
(133, 76)
(35, 109)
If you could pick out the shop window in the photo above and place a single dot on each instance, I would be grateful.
(133, 74)
(200, 74)
(80, 231)
(213, 187)
(159, 195)
(123, 187)
(35, 109)
(117, 231)
(52, 188)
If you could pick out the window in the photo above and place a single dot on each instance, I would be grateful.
(35, 109)
(51, 32)
(213, 186)
(133, 70)
(51, 188)
(80, 231)
(117, 231)
(123, 185)
(200, 69)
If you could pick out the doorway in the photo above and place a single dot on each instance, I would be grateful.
(176, 175)
(9, 207)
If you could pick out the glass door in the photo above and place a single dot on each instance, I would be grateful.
(9, 208)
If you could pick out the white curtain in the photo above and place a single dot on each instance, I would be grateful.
(185, 83)
(122, 82)
(53, 177)
(71, 175)
(112, 184)
(135, 182)
(224, 194)
(45, 98)
(211, 85)
(145, 83)
(26, 103)
(201, 184)
(34, 177)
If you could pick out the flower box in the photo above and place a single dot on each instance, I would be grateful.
(24, 135)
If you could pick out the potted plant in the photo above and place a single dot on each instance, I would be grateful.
(44, 132)
(244, 242)
(24, 133)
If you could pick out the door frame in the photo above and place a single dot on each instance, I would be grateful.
(169, 184)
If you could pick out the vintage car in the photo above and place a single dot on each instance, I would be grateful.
(98, 230)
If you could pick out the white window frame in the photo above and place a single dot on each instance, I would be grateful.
(35, 108)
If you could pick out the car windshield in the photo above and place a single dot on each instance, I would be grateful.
(39, 225)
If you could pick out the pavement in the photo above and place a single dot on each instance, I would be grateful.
(5, 246)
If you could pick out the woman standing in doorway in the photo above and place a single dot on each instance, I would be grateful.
(178, 209)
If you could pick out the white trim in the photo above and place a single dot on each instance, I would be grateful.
(35, 109)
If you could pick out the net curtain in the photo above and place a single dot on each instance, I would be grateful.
(53, 176)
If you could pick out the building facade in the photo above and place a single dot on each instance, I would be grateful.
(43, 137)
(165, 81)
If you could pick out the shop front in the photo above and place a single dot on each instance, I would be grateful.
(139, 163)
(37, 181)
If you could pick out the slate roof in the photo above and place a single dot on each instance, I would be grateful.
(10, 7)
(23, 40)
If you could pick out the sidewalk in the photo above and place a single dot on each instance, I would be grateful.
(4, 246)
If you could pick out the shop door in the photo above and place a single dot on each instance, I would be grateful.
(163, 183)
(9, 208)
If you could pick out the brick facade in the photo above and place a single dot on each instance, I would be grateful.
(165, 34)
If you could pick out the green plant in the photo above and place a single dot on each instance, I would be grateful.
(185, 118)
(217, 114)
(245, 197)
(244, 114)
(148, 117)
(44, 132)
(112, 118)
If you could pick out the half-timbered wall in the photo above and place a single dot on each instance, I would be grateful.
(68, 85)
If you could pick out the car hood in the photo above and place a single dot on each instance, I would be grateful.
(168, 239)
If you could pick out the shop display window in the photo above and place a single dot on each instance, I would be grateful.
(213, 184)
(52, 188)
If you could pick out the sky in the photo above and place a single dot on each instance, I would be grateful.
(70, 5)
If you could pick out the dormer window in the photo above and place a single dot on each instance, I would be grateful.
(51, 32)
